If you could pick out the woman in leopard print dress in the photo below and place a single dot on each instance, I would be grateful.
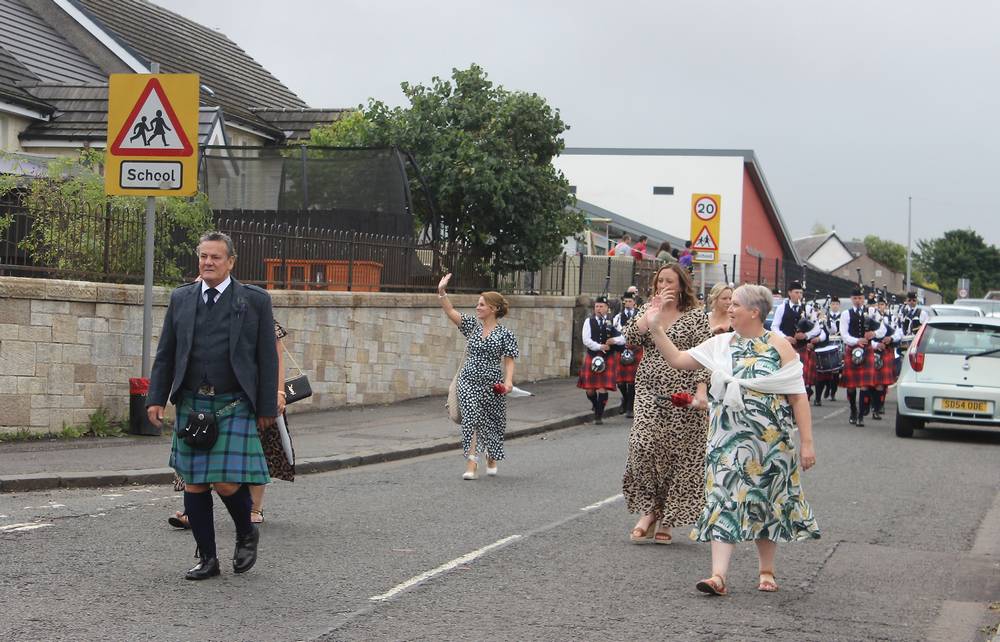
(664, 473)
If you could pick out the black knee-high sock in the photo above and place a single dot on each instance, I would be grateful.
(239, 505)
(880, 401)
(852, 398)
(198, 508)
(623, 388)
(602, 401)
(593, 400)
(631, 397)
(833, 386)
(820, 386)
(865, 401)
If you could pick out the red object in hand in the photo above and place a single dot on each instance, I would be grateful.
(681, 399)
(138, 386)
(499, 389)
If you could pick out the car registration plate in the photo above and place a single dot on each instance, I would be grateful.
(965, 405)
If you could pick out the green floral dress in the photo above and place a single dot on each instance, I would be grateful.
(752, 488)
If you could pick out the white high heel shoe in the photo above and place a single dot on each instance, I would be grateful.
(492, 472)
(471, 474)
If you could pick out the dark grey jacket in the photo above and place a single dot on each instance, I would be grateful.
(253, 350)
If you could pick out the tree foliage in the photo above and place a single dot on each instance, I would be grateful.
(76, 228)
(818, 228)
(486, 154)
(960, 254)
(886, 252)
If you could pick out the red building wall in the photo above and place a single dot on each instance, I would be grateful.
(758, 233)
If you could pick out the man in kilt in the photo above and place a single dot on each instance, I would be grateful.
(599, 373)
(827, 381)
(626, 371)
(885, 355)
(856, 333)
(794, 321)
(217, 362)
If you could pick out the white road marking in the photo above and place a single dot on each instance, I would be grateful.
(112, 495)
(444, 568)
(468, 557)
(609, 500)
(140, 490)
(834, 414)
(15, 528)
(52, 505)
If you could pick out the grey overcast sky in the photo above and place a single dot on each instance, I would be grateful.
(851, 106)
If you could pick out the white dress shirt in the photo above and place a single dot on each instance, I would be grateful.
(779, 314)
(593, 345)
(221, 288)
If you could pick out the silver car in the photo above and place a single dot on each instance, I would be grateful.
(951, 375)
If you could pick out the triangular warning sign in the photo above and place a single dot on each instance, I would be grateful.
(152, 128)
(704, 240)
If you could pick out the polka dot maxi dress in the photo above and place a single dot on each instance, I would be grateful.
(484, 413)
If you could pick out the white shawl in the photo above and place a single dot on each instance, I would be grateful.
(715, 355)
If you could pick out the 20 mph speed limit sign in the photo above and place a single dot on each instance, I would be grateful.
(705, 216)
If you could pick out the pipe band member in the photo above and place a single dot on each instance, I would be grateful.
(859, 369)
(629, 355)
(788, 316)
(599, 373)
(885, 358)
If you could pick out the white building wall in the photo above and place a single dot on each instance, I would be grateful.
(830, 256)
(10, 126)
(624, 184)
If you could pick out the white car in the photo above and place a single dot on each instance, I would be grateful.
(951, 375)
(945, 310)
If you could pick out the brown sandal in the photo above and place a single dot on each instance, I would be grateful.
(662, 537)
(639, 536)
(767, 586)
(713, 586)
(257, 516)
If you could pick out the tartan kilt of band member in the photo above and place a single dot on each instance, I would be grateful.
(887, 375)
(808, 360)
(858, 376)
(607, 380)
(626, 374)
(237, 456)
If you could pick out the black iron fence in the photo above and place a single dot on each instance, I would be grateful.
(106, 244)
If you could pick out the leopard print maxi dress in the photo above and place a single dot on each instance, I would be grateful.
(665, 470)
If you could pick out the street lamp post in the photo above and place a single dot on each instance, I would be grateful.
(909, 229)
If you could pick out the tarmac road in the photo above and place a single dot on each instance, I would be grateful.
(409, 551)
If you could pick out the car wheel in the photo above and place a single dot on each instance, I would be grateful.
(905, 425)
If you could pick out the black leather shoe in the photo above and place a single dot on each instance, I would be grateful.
(205, 569)
(245, 555)
(817, 402)
(853, 419)
(861, 422)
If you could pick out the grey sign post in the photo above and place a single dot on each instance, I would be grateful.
(147, 283)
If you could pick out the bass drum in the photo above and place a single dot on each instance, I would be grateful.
(829, 359)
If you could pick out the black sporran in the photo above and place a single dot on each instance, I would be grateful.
(201, 431)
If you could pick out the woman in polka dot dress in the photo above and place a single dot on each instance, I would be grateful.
(485, 379)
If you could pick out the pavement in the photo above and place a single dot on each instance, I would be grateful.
(323, 441)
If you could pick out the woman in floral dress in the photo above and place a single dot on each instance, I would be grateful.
(752, 485)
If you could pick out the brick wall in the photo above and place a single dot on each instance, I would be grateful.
(68, 347)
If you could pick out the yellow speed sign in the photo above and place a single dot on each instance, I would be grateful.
(705, 216)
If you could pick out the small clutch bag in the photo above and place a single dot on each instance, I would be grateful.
(296, 387)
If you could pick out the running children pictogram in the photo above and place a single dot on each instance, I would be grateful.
(152, 128)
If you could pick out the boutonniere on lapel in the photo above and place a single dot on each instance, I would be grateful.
(241, 306)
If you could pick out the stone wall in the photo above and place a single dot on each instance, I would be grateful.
(68, 347)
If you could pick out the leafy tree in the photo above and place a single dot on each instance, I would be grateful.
(486, 154)
(960, 254)
(77, 229)
(818, 228)
(886, 252)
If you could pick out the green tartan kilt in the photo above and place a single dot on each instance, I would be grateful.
(237, 456)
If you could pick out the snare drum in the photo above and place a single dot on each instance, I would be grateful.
(829, 359)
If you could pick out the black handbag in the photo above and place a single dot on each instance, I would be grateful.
(296, 387)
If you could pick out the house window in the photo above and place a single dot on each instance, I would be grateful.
(663, 191)
(878, 273)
